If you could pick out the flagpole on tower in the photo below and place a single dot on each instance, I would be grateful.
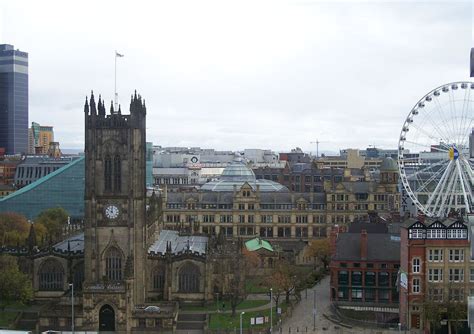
(116, 94)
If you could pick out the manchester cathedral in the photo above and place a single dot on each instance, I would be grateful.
(128, 273)
(139, 256)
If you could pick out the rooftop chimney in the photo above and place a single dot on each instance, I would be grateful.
(363, 245)
(333, 239)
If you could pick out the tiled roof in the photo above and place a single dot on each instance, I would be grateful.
(380, 247)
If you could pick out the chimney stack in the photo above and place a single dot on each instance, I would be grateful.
(363, 245)
(333, 239)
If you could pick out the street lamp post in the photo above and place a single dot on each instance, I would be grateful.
(271, 310)
(71, 285)
(241, 314)
(314, 310)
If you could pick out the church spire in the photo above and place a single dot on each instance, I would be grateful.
(92, 104)
(86, 107)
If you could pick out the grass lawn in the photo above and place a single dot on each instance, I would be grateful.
(255, 285)
(6, 319)
(226, 321)
(213, 307)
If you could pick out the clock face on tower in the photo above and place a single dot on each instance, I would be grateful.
(112, 211)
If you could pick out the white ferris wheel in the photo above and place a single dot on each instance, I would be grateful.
(434, 158)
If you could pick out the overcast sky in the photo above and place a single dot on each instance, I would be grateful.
(241, 74)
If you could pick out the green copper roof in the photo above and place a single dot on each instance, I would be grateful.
(257, 243)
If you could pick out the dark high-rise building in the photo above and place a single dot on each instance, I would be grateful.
(13, 100)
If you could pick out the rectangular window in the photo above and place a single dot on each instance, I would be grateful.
(416, 265)
(435, 255)
(267, 219)
(356, 278)
(343, 293)
(251, 219)
(456, 275)
(435, 294)
(416, 285)
(370, 278)
(471, 275)
(416, 233)
(241, 219)
(284, 219)
(301, 219)
(384, 295)
(251, 206)
(435, 275)
(343, 277)
(383, 278)
(356, 294)
(369, 295)
(456, 255)
(226, 218)
(456, 295)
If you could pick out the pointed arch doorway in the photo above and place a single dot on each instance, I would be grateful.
(106, 319)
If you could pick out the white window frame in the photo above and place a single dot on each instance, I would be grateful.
(416, 264)
(416, 285)
(435, 275)
(456, 272)
(435, 255)
(456, 252)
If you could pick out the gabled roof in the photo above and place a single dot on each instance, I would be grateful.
(380, 247)
(178, 243)
(257, 243)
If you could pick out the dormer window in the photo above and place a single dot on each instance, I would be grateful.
(457, 230)
(416, 233)
(436, 231)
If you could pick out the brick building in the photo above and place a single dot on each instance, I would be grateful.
(364, 266)
(435, 259)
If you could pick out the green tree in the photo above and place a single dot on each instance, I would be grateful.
(14, 229)
(14, 285)
(320, 249)
(54, 221)
(286, 280)
(433, 313)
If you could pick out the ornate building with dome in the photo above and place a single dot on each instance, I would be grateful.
(240, 205)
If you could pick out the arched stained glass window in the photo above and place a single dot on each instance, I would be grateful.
(108, 173)
(159, 279)
(51, 276)
(113, 264)
(78, 275)
(189, 278)
(117, 173)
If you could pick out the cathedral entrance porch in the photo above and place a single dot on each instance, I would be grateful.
(106, 319)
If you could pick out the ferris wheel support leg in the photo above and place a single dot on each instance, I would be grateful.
(439, 186)
(468, 181)
(447, 194)
(466, 199)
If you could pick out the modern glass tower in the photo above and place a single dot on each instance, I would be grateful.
(13, 100)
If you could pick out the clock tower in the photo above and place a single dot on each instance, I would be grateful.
(115, 208)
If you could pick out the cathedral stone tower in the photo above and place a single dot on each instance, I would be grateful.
(115, 208)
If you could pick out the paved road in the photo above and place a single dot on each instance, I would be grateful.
(301, 321)
(302, 317)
